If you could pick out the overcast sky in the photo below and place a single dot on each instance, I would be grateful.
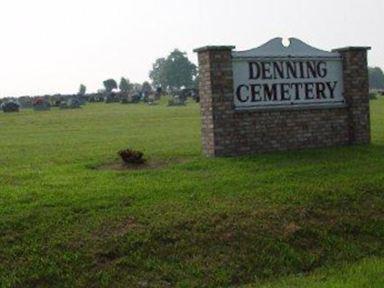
(51, 46)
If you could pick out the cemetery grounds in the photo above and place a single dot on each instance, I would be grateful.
(70, 217)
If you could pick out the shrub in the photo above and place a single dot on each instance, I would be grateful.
(130, 156)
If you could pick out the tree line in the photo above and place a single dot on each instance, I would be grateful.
(124, 86)
(170, 73)
(176, 71)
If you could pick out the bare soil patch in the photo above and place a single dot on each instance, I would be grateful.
(151, 164)
(116, 229)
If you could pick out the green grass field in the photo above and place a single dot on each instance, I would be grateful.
(312, 218)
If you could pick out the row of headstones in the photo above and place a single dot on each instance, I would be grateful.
(40, 104)
(178, 98)
(123, 98)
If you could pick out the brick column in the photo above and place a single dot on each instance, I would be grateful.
(356, 93)
(216, 97)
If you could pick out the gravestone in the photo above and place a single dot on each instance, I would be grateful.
(73, 103)
(176, 100)
(130, 99)
(159, 93)
(25, 102)
(40, 104)
(9, 107)
(111, 97)
(135, 98)
(150, 99)
(277, 98)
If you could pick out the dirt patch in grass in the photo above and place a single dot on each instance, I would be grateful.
(238, 247)
(117, 229)
(151, 164)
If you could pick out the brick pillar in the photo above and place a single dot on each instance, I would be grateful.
(356, 93)
(216, 97)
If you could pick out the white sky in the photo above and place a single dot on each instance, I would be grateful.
(51, 46)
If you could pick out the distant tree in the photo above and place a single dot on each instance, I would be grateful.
(146, 87)
(82, 90)
(109, 85)
(173, 72)
(376, 78)
(179, 70)
(158, 73)
(125, 85)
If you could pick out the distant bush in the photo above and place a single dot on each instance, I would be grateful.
(130, 156)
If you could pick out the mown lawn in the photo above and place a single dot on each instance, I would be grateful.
(295, 219)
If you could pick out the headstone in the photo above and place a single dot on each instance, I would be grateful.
(176, 100)
(135, 98)
(111, 97)
(40, 104)
(129, 98)
(151, 100)
(9, 107)
(25, 102)
(73, 103)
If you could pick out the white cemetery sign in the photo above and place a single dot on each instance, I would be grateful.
(298, 75)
